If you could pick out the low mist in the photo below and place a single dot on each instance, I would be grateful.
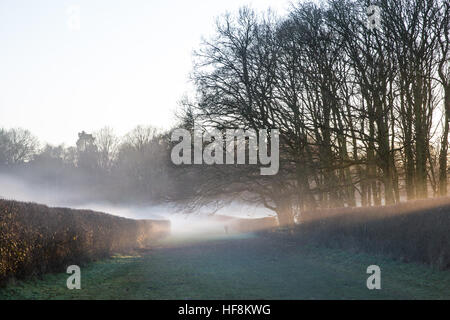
(207, 220)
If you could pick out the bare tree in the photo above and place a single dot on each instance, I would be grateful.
(443, 30)
(17, 146)
(107, 145)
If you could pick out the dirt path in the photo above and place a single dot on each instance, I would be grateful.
(239, 268)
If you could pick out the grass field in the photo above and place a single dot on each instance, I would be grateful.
(239, 267)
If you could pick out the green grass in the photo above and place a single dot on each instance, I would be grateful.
(239, 268)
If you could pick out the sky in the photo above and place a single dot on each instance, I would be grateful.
(68, 66)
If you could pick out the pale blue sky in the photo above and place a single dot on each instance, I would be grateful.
(128, 64)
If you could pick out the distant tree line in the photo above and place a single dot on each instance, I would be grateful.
(102, 166)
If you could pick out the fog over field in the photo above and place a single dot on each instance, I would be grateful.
(183, 222)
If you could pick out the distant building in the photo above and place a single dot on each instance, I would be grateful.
(85, 142)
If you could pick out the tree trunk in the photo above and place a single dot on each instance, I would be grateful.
(444, 146)
(285, 213)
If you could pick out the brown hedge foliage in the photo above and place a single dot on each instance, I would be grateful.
(411, 231)
(256, 224)
(35, 239)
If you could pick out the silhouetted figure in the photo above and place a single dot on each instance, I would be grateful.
(226, 229)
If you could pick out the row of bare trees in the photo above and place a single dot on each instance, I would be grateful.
(363, 113)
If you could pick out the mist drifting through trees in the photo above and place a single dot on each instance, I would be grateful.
(363, 116)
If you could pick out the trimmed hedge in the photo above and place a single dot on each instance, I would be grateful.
(36, 239)
(255, 224)
(411, 231)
